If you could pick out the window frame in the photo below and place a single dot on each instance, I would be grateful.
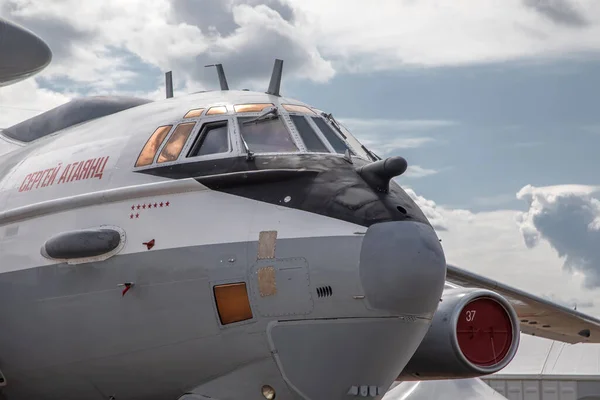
(315, 129)
(170, 135)
(234, 145)
(199, 138)
(288, 126)
(158, 149)
(322, 135)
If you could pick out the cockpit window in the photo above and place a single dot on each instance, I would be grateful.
(217, 110)
(336, 142)
(151, 147)
(194, 113)
(213, 139)
(308, 135)
(266, 135)
(175, 143)
(298, 109)
(244, 108)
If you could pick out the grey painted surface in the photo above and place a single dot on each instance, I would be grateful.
(70, 334)
(390, 271)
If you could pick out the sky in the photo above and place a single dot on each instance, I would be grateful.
(492, 102)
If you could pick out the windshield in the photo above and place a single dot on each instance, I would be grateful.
(266, 135)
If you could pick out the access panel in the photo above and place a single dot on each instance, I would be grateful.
(281, 287)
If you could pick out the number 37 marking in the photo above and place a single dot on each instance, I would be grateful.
(471, 315)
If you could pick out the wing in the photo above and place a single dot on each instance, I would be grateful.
(538, 317)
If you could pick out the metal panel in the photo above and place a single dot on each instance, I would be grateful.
(531, 390)
(514, 390)
(281, 287)
(550, 390)
(499, 386)
(567, 390)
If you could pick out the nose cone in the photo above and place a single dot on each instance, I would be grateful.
(26, 54)
(402, 268)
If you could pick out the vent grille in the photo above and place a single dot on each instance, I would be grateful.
(324, 291)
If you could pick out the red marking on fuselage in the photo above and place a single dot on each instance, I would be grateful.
(76, 171)
(149, 244)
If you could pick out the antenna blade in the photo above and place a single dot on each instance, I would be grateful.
(169, 84)
(222, 78)
(275, 84)
(221, 73)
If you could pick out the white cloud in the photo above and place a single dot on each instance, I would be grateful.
(396, 125)
(491, 244)
(432, 33)
(416, 171)
(95, 43)
(388, 136)
(24, 100)
(568, 218)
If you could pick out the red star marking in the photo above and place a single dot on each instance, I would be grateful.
(138, 206)
(167, 204)
(161, 204)
(137, 215)
(133, 207)
(131, 216)
(144, 206)
(155, 205)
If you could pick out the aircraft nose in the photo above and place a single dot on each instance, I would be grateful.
(402, 268)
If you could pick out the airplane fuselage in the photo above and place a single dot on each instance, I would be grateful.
(279, 267)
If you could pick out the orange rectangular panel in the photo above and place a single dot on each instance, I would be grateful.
(217, 110)
(243, 108)
(196, 112)
(233, 304)
(297, 108)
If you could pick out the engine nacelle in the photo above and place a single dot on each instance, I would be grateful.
(474, 332)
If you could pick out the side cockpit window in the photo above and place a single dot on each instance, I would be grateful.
(266, 135)
(212, 139)
(151, 147)
(309, 136)
(176, 142)
(336, 142)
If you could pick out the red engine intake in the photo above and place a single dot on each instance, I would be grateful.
(474, 332)
(484, 332)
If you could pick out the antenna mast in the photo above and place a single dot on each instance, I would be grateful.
(275, 84)
(169, 84)
(221, 73)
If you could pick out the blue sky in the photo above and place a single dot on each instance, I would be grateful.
(515, 124)
(493, 104)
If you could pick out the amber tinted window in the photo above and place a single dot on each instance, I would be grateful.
(233, 304)
(194, 113)
(217, 110)
(151, 147)
(308, 135)
(176, 142)
(266, 136)
(242, 108)
(336, 142)
(297, 108)
(213, 139)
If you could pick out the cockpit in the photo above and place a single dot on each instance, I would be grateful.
(286, 154)
(222, 131)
